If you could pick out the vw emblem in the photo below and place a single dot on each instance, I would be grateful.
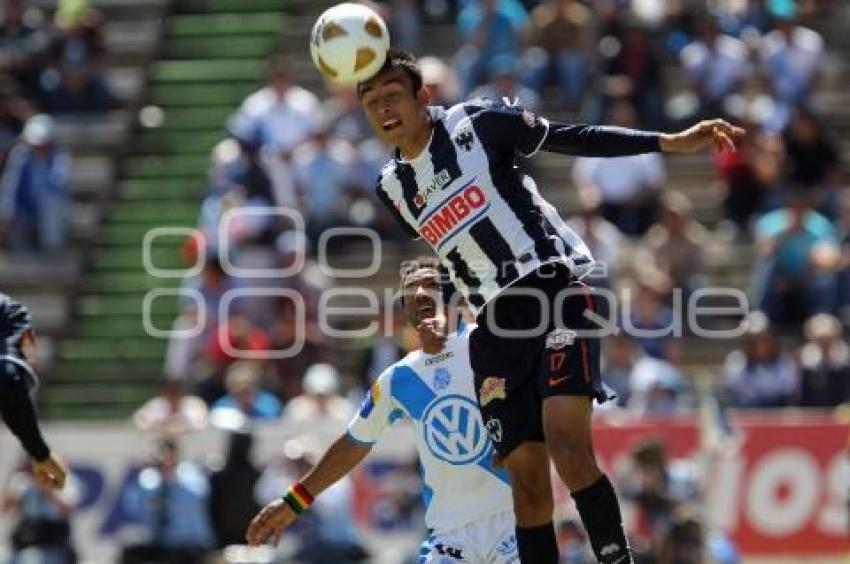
(454, 431)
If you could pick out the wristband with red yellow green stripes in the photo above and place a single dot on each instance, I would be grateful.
(298, 498)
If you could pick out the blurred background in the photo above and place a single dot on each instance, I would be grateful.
(197, 357)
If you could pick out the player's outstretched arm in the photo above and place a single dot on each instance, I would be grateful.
(610, 141)
(340, 459)
(716, 133)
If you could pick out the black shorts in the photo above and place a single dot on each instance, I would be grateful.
(513, 373)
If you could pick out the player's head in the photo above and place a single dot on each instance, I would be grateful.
(421, 289)
(395, 100)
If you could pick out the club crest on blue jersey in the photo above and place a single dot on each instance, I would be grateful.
(507, 546)
(442, 379)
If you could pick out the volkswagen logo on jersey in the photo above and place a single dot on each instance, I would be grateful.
(454, 431)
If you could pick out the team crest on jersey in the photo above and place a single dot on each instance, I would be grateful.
(442, 379)
(492, 388)
(560, 338)
(465, 140)
(494, 430)
(507, 546)
(372, 398)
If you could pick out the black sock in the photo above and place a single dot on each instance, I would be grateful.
(600, 512)
(537, 545)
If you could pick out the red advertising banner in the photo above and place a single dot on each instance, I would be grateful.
(782, 490)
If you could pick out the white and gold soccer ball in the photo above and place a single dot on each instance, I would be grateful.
(349, 43)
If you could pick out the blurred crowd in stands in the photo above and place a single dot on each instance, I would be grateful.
(785, 202)
(648, 64)
(52, 67)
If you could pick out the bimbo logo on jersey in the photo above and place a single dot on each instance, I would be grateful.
(469, 203)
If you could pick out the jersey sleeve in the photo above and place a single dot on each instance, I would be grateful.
(599, 141)
(375, 413)
(513, 128)
(406, 227)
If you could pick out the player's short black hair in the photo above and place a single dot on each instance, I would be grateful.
(399, 59)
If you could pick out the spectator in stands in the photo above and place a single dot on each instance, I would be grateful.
(792, 57)
(842, 227)
(441, 80)
(345, 116)
(813, 159)
(627, 186)
(34, 190)
(759, 373)
(321, 403)
(488, 28)
(405, 26)
(315, 347)
(42, 533)
(232, 504)
(656, 387)
(22, 46)
(280, 116)
(824, 364)
(561, 29)
(649, 320)
(675, 247)
(631, 70)
(742, 19)
(504, 83)
(658, 487)
(572, 543)
(324, 170)
(602, 238)
(13, 112)
(75, 79)
(797, 255)
(172, 411)
(242, 383)
(384, 349)
(716, 65)
(169, 498)
(753, 177)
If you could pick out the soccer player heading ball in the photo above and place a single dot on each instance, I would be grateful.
(453, 181)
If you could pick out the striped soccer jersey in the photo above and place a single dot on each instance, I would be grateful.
(14, 322)
(465, 195)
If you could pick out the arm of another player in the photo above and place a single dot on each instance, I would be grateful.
(17, 410)
(338, 460)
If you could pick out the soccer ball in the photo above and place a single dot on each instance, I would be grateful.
(349, 43)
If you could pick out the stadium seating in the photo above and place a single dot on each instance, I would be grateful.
(211, 56)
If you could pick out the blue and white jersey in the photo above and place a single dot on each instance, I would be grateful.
(436, 393)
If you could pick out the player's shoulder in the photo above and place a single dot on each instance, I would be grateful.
(387, 176)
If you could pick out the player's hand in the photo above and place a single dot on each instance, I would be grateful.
(270, 523)
(716, 133)
(432, 334)
(50, 472)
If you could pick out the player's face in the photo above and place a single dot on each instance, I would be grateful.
(422, 295)
(394, 112)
